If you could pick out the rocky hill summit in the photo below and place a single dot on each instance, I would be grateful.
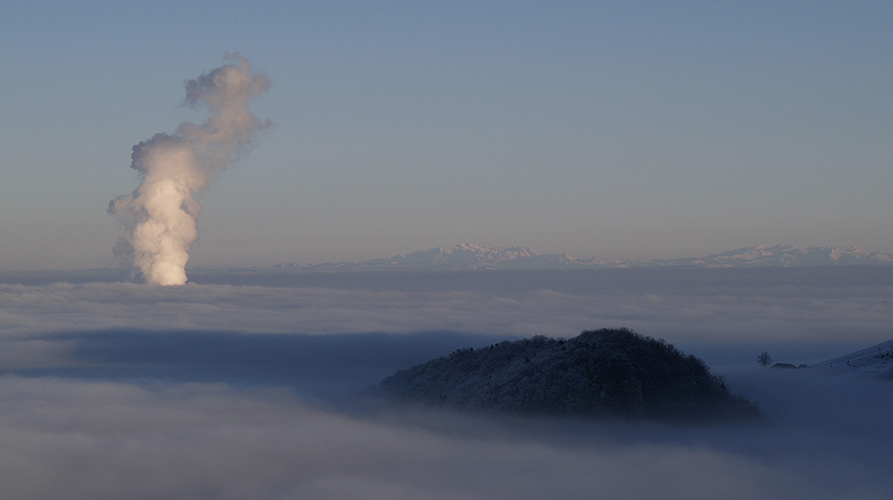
(608, 373)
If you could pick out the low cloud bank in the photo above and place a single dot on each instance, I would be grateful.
(326, 368)
(705, 306)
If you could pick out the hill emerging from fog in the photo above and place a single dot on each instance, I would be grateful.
(469, 256)
(608, 373)
(876, 360)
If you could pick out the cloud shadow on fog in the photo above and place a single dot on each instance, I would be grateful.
(329, 368)
(320, 367)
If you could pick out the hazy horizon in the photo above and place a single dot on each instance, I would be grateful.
(125, 269)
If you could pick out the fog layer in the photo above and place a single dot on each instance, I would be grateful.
(236, 390)
(683, 305)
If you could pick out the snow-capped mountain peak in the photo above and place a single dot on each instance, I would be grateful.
(464, 255)
(788, 255)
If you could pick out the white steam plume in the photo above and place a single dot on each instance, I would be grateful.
(161, 213)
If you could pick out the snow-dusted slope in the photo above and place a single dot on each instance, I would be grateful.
(877, 359)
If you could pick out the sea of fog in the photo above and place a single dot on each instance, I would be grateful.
(252, 385)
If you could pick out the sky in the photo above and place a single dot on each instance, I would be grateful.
(610, 129)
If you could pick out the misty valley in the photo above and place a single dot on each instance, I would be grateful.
(446, 251)
(269, 385)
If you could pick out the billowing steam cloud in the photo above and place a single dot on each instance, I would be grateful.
(161, 213)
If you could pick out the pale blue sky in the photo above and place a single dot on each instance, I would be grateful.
(642, 129)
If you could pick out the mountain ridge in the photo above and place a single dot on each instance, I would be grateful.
(469, 256)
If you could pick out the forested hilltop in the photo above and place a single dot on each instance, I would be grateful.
(609, 373)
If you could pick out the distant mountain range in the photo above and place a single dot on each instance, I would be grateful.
(469, 256)
(782, 255)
